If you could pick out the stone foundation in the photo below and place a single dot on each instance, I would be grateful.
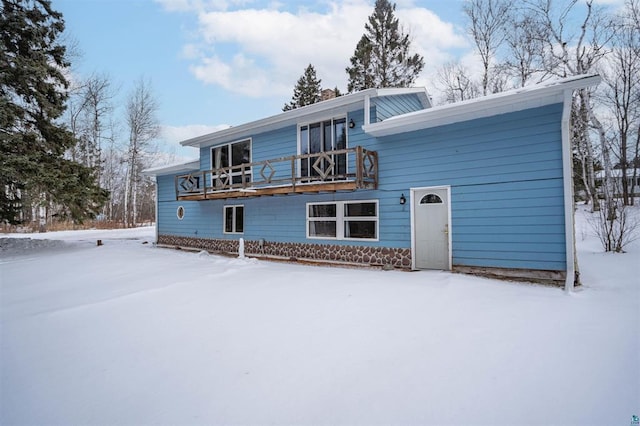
(376, 256)
(340, 254)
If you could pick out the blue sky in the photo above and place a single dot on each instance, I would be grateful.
(216, 63)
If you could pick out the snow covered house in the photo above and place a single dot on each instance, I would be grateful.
(380, 177)
(615, 184)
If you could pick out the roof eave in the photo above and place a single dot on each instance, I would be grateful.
(173, 168)
(513, 100)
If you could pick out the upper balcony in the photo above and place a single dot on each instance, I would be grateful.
(329, 171)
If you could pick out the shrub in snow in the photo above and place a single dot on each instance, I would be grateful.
(616, 224)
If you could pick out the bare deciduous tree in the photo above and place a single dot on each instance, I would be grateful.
(455, 83)
(143, 127)
(487, 20)
(524, 46)
(622, 93)
(576, 50)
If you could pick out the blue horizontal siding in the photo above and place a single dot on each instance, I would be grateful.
(505, 174)
(389, 106)
(166, 188)
(276, 219)
(506, 180)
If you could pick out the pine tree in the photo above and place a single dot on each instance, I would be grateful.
(307, 90)
(32, 99)
(382, 58)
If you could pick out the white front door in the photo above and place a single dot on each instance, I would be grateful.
(431, 228)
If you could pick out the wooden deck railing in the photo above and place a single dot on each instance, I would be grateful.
(353, 168)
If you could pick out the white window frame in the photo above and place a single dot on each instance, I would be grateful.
(229, 145)
(333, 135)
(180, 215)
(233, 219)
(341, 219)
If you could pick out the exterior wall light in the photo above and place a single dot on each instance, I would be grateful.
(352, 124)
(403, 200)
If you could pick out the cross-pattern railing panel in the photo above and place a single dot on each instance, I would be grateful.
(323, 167)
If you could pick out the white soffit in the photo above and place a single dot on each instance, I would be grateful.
(513, 100)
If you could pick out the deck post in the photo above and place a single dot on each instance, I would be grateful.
(204, 184)
(375, 169)
(175, 183)
(359, 166)
(293, 172)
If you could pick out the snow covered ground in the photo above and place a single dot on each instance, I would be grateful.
(128, 333)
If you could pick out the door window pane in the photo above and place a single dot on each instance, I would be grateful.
(241, 153)
(315, 146)
(320, 137)
(221, 157)
(304, 149)
(431, 199)
(340, 142)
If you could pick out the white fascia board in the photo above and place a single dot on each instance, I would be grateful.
(510, 101)
(173, 168)
(321, 110)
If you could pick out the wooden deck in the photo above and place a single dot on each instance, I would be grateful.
(299, 174)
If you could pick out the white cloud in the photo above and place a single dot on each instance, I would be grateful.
(192, 5)
(263, 51)
(190, 51)
(610, 2)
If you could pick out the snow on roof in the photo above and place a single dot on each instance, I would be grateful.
(616, 173)
(173, 168)
(509, 101)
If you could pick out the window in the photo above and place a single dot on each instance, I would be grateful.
(225, 160)
(233, 219)
(343, 220)
(324, 136)
(431, 199)
(180, 212)
(322, 219)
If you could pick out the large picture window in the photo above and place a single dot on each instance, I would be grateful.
(343, 220)
(324, 136)
(233, 219)
(226, 157)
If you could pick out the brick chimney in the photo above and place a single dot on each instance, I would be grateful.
(327, 94)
